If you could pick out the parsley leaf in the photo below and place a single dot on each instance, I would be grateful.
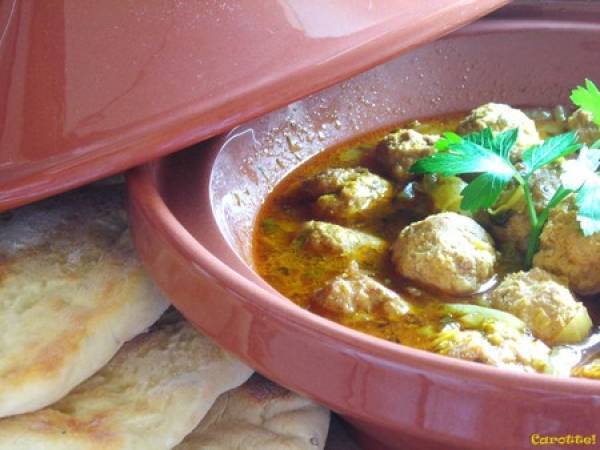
(484, 138)
(464, 157)
(588, 206)
(448, 139)
(580, 175)
(483, 191)
(501, 144)
(504, 142)
(486, 155)
(576, 172)
(588, 98)
(481, 153)
(550, 150)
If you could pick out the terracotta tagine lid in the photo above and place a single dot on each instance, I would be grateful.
(89, 89)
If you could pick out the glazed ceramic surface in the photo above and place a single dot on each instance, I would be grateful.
(90, 88)
(193, 215)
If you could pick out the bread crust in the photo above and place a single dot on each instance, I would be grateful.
(72, 292)
(260, 415)
(153, 393)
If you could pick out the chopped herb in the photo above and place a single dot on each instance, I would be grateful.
(269, 225)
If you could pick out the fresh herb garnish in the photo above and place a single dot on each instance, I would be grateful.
(580, 175)
(550, 150)
(587, 97)
(478, 153)
(588, 207)
(488, 155)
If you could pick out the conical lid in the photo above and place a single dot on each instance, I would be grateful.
(91, 88)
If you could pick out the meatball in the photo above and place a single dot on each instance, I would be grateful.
(543, 184)
(355, 292)
(328, 239)
(447, 251)
(545, 304)
(349, 195)
(401, 149)
(583, 122)
(497, 345)
(500, 117)
(565, 251)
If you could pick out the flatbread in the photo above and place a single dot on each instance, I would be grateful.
(72, 291)
(260, 415)
(149, 397)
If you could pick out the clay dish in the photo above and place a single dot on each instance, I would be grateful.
(193, 215)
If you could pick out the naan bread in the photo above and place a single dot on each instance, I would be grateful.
(260, 415)
(72, 291)
(149, 397)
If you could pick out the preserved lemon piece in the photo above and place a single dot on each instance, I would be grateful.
(445, 192)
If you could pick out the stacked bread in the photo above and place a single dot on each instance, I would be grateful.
(90, 360)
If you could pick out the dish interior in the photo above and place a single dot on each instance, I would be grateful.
(327, 238)
(426, 83)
